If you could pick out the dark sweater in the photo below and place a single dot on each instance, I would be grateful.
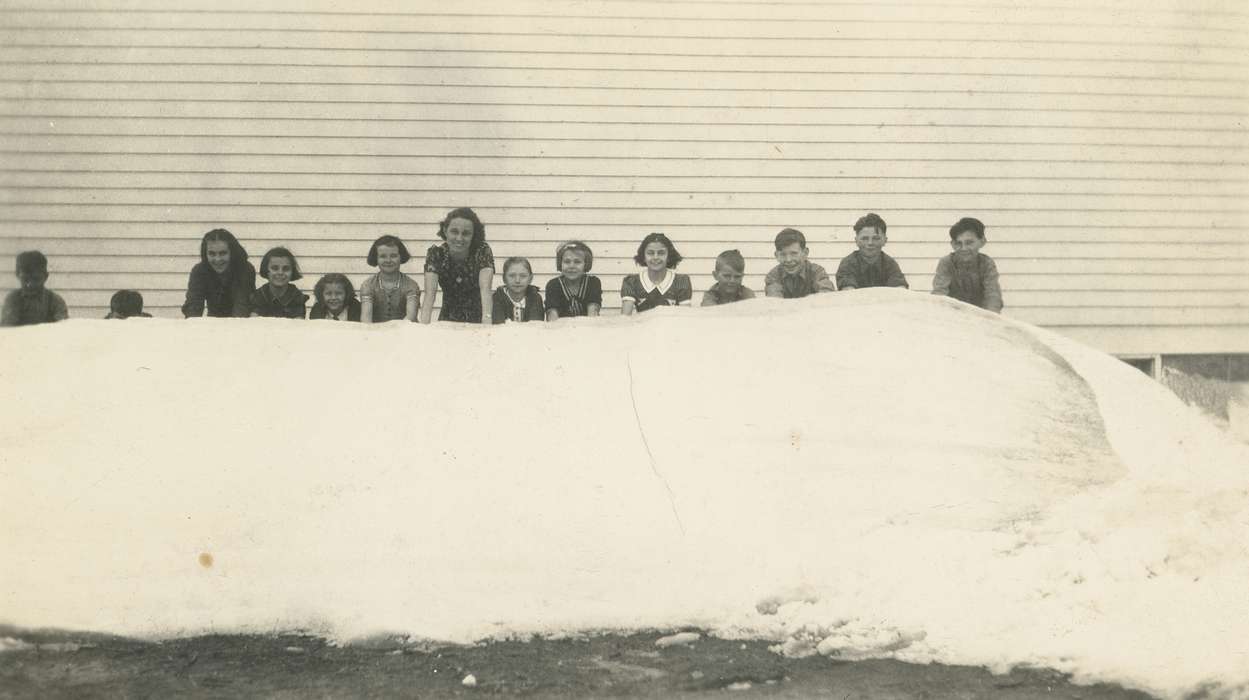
(292, 304)
(225, 295)
(505, 309)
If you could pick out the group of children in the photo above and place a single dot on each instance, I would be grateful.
(223, 283)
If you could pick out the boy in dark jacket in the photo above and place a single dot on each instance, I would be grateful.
(967, 274)
(869, 266)
(126, 303)
(32, 302)
(794, 276)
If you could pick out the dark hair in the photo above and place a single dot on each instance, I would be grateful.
(32, 261)
(517, 260)
(790, 236)
(967, 224)
(674, 258)
(279, 252)
(577, 246)
(479, 229)
(732, 258)
(238, 256)
(870, 220)
(333, 278)
(391, 241)
(125, 303)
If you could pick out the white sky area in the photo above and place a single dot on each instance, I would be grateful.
(871, 473)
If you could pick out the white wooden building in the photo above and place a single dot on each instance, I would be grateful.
(1106, 148)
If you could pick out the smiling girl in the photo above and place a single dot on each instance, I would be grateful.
(575, 292)
(389, 295)
(463, 265)
(279, 298)
(336, 299)
(659, 284)
(222, 281)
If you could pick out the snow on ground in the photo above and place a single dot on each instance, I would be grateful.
(876, 473)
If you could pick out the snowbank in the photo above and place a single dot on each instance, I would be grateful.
(863, 474)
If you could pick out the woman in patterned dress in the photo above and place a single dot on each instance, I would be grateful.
(463, 266)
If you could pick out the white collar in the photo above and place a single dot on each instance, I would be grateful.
(664, 284)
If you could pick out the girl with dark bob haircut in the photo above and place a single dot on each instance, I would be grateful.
(674, 258)
(222, 281)
(280, 252)
(658, 284)
(391, 241)
(279, 298)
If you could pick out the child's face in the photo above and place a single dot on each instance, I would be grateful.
(791, 256)
(728, 278)
(279, 271)
(572, 264)
(967, 244)
(459, 235)
(517, 278)
(656, 256)
(388, 258)
(218, 253)
(870, 241)
(335, 297)
(32, 280)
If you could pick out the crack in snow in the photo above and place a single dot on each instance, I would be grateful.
(637, 417)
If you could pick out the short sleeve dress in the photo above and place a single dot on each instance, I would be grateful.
(569, 302)
(461, 297)
(673, 290)
(390, 303)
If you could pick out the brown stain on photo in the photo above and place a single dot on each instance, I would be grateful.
(206, 560)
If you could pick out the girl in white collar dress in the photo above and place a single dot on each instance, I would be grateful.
(660, 284)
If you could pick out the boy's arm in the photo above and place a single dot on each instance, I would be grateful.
(772, 283)
(992, 289)
(895, 278)
(708, 299)
(59, 311)
(846, 276)
(820, 281)
(10, 316)
(941, 282)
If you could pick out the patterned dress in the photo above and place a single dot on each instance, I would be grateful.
(461, 296)
(389, 303)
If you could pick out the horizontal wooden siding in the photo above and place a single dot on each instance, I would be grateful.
(1105, 148)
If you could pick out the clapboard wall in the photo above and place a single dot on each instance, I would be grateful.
(1105, 148)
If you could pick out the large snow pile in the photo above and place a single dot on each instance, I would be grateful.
(861, 474)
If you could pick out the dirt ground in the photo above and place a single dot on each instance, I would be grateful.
(56, 665)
